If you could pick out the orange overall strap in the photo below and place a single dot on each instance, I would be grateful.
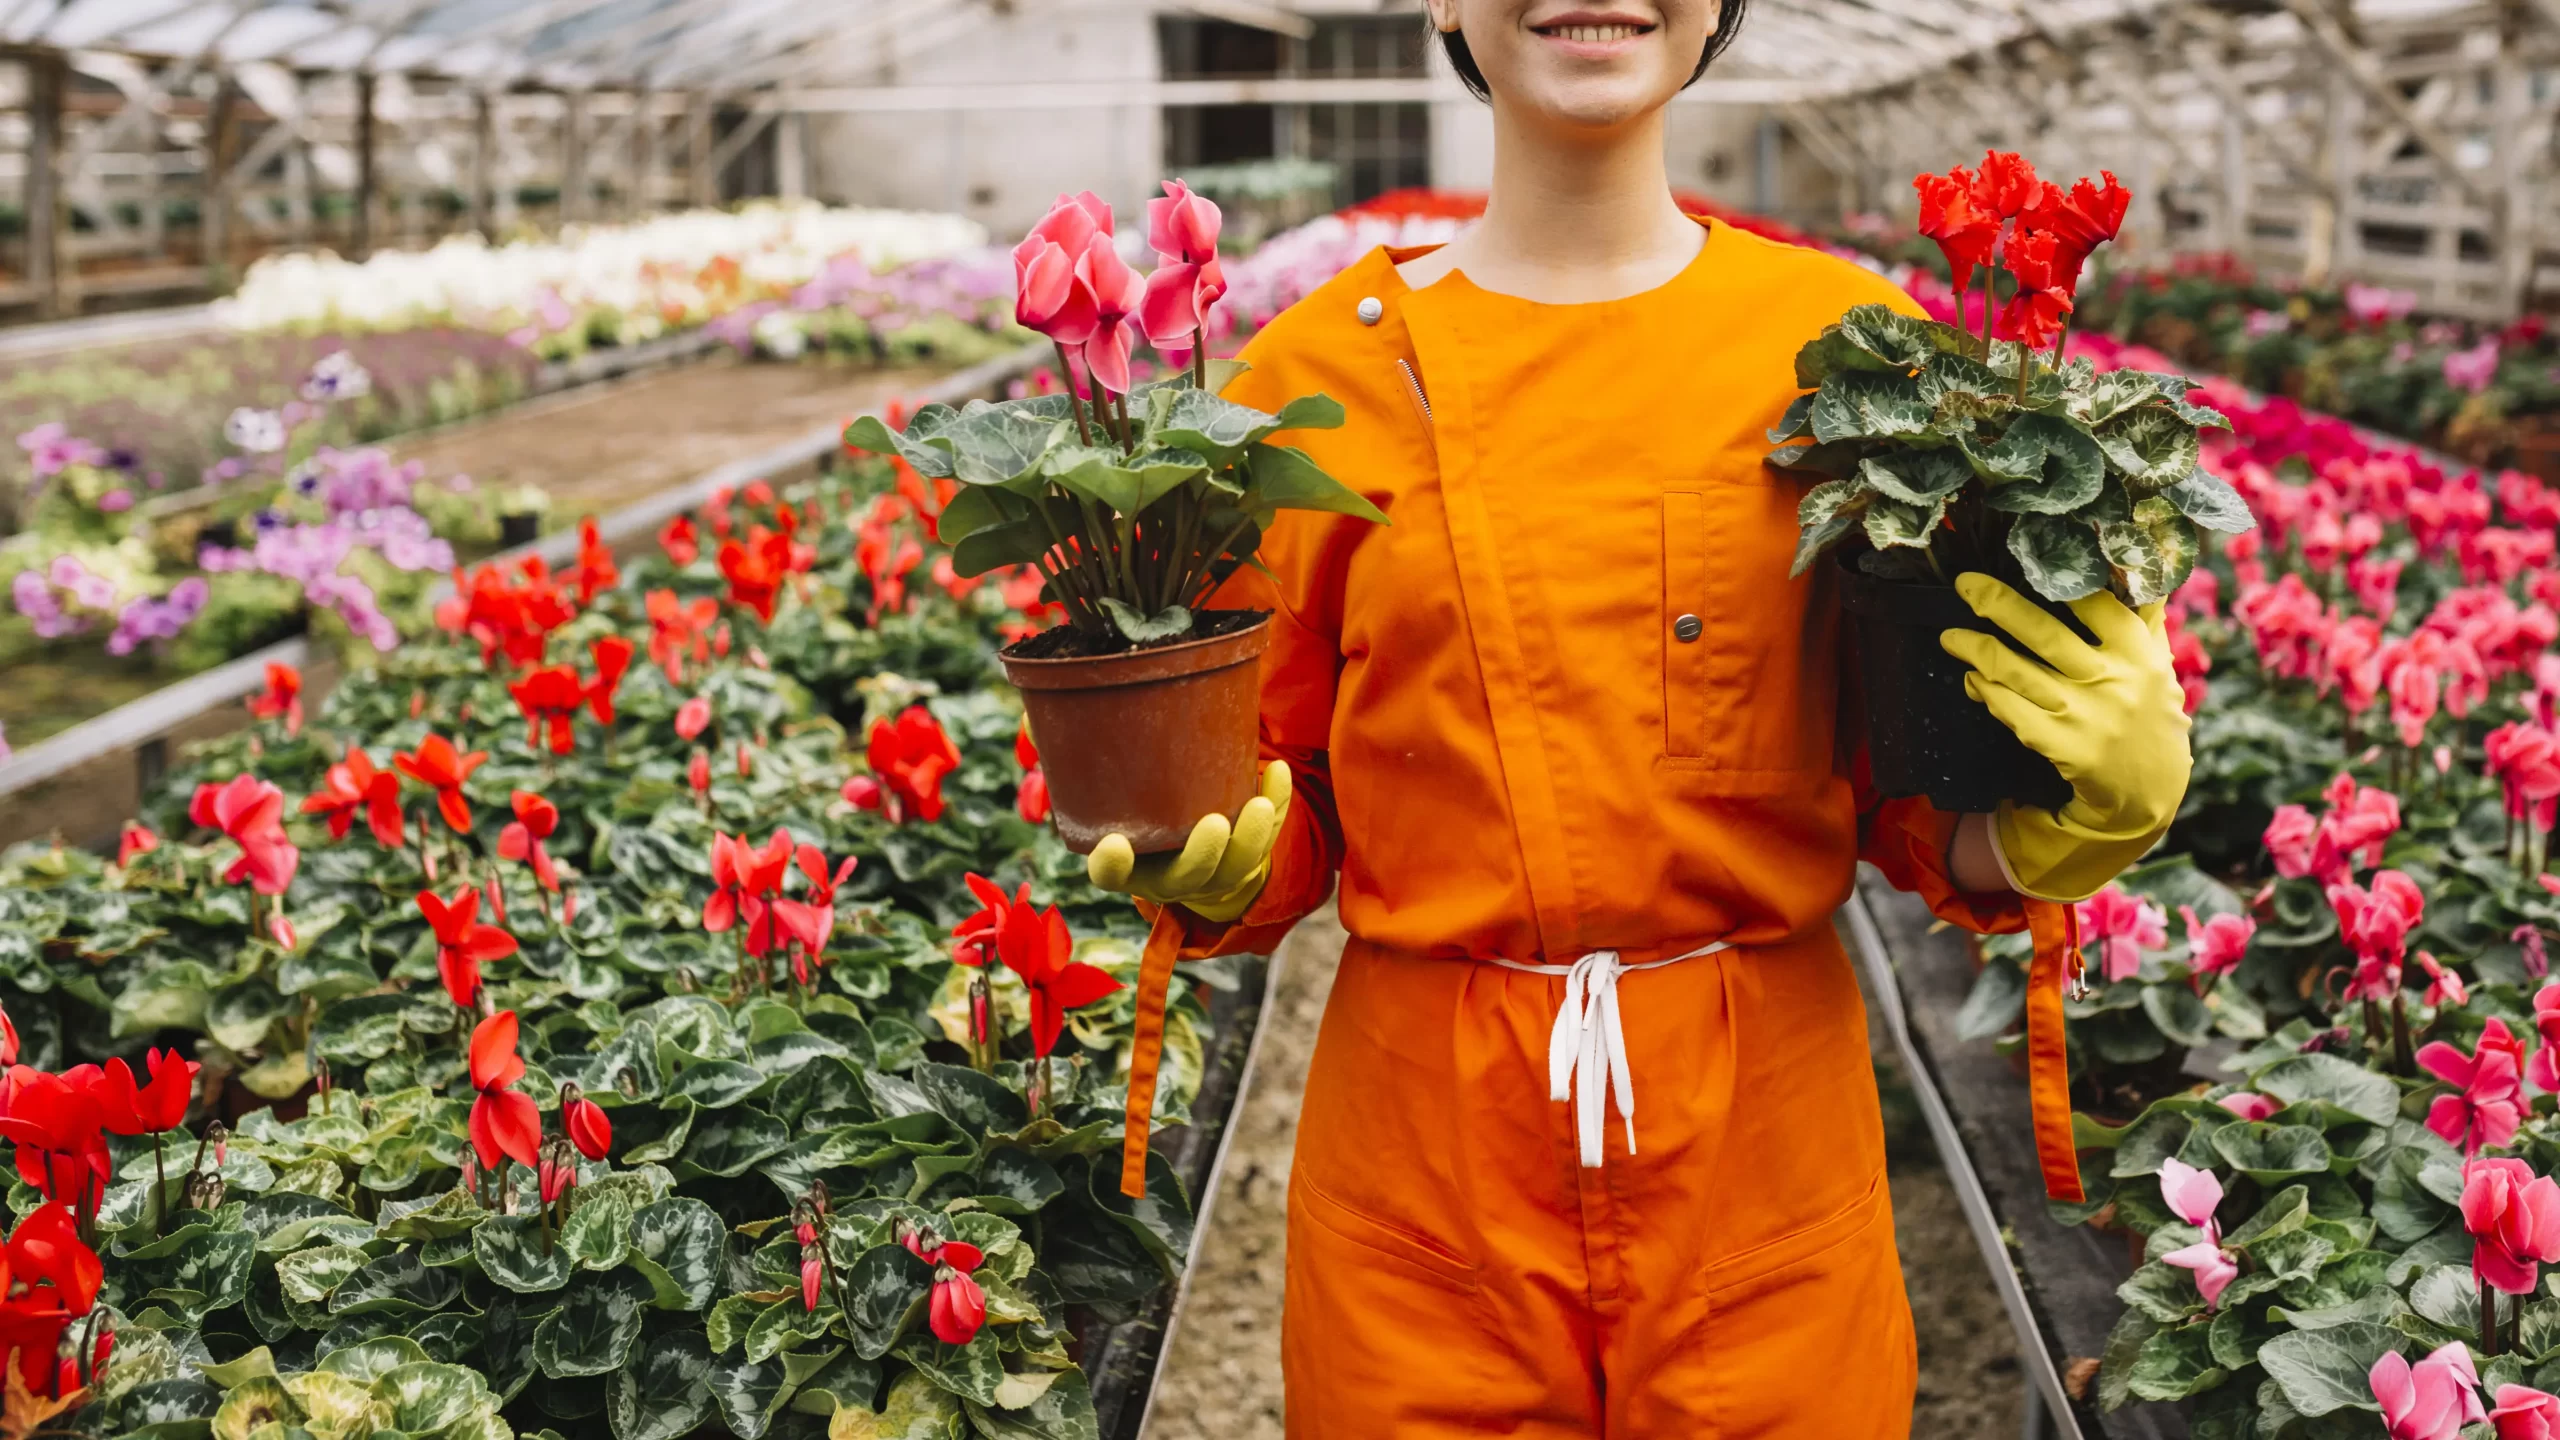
(1146, 1048)
(2056, 928)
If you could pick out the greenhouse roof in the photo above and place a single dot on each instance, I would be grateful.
(1805, 49)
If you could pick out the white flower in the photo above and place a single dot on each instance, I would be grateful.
(337, 376)
(780, 335)
(260, 432)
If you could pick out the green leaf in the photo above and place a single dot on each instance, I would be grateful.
(1796, 422)
(1826, 513)
(2179, 1012)
(1865, 406)
(665, 1393)
(1039, 1405)
(2209, 500)
(2449, 1296)
(2175, 1364)
(1215, 428)
(1916, 477)
(998, 445)
(1017, 1181)
(424, 1397)
(2068, 471)
(2269, 1153)
(597, 1234)
(868, 433)
(2154, 553)
(717, 1084)
(978, 507)
(399, 1283)
(513, 1251)
(2325, 1370)
(970, 1371)
(916, 1409)
(1891, 523)
(1283, 477)
(369, 1360)
(1170, 623)
(2151, 447)
(888, 1289)
(675, 1245)
(2059, 556)
(978, 1104)
(728, 1142)
(2345, 1089)
(595, 1327)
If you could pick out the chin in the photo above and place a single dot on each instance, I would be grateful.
(1598, 103)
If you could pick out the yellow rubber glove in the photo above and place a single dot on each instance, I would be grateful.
(1218, 871)
(2109, 716)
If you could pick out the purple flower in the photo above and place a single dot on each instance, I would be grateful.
(2474, 369)
(51, 449)
(43, 608)
(158, 618)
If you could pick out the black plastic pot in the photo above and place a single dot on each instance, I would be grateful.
(519, 528)
(1925, 736)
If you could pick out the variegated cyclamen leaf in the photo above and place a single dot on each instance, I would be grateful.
(1796, 422)
(2058, 555)
(2154, 554)
(515, 1251)
(665, 1392)
(1916, 477)
(1890, 522)
(2209, 500)
(933, 461)
(1953, 375)
(675, 1245)
(2150, 446)
(999, 446)
(1825, 514)
(2111, 394)
(2067, 477)
(1862, 405)
(1838, 459)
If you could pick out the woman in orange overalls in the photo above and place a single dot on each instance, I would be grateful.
(1569, 735)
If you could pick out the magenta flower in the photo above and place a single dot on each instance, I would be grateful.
(2215, 946)
(2444, 987)
(2544, 1069)
(2291, 838)
(2488, 1100)
(2431, 1400)
(2375, 924)
(2525, 1413)
(2514, 1219)
(1118, 292)
(2474, 369)
(2122, 925)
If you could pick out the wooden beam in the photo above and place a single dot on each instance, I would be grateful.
(47, 78)
(573, 158)
(2359, 66)
(367, 175)
(483, 169)
(221, 186)
(701, 176)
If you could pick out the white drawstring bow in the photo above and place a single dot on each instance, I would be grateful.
(1587, 1034)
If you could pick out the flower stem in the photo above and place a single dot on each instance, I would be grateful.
(1067, 372)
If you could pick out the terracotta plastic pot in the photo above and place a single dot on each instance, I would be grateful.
(1925, 736)
(1146, 742)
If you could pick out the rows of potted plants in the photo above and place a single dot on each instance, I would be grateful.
(592, 284)
(649, 1000)
(2312, 1051)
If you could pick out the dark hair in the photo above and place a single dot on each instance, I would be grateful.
(1463, 60)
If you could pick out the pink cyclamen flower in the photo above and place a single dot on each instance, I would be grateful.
(1118, 293)
(2215, 946)
(2514, 1219)
(2525, 1413)
(2489, 1101)
(2431, 1400)
(2444, 987)
(2213, 1266)
(2376, 923)
(693, 716)
(1183, 226)
(2192, 1194)
(2474, 369)
(2544, 1068)
(2290, 838)
(2250, 1105)
(2122, 925)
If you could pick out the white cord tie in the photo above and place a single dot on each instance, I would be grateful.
(1587, 1031)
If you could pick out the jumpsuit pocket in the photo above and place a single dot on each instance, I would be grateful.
(1828, 1300)
(1685, 669)
(1383, 1241)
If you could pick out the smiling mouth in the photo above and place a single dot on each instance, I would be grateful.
(1602, 33)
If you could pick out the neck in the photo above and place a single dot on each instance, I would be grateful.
(1591, 201)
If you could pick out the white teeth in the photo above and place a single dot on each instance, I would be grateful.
(1595, 34)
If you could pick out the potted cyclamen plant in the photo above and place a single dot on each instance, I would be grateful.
(1973, 447)
(1134, 500)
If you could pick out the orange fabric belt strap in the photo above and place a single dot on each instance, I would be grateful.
(1146, 1048)
(2056, 930)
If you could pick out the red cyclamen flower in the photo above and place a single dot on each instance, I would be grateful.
(462, 944)
(505, 1123)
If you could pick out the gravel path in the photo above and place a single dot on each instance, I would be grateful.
(1221, 1377)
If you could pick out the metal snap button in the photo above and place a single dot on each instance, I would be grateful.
(1688, 628)
(1372, 310)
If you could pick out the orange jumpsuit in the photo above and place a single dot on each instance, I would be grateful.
(1506, 747)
